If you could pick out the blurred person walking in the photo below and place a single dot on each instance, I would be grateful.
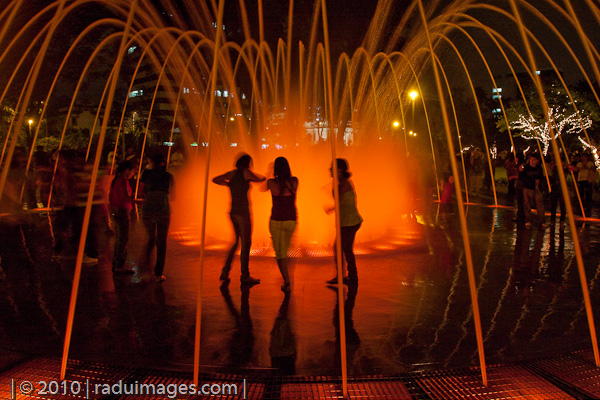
(238, 181)
(121, 204)
(157, 188)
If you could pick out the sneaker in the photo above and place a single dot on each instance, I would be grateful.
(123, 270)
(89, 260)
(161, 278)
(528, 225)
(248, 280)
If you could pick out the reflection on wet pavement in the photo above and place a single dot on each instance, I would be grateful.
(410, 311)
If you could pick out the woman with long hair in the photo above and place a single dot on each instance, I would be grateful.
(283, 189)
(350, 220)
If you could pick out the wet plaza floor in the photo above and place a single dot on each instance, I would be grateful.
(410, 311)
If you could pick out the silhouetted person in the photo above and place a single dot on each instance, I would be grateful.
(43, 173)
(477, 170)
(157, 187)
(532, 193)
(282, 347)
(350, 221)
(520, 217)
(586, 176)
(238, 181)
(74, 182)
(446, 198)
(283, 214)
(121, 204)
(556, 196)
(512, 173)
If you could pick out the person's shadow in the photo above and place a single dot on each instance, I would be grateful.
(526, 259)
(242, 340)
(556, 258)
(352, 338)
(282, 348)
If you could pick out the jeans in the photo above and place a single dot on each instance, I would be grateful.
(348, 233)
(121, 220)
(242, 226)
(531, 197)
(158, 228)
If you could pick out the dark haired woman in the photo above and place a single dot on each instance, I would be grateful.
(238, 181)
(350, 220)
(157, 187)
(283, 214)
(121, 203)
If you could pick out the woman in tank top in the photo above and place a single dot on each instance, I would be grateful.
(283, 214)
(350, 222)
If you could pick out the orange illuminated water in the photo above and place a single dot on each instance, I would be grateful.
(378, 174)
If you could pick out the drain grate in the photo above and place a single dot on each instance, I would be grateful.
(504, 382)
(576, 373)
(563, 377)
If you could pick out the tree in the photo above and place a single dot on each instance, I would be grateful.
(562, 119)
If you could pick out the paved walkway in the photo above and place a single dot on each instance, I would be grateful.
(410, 311)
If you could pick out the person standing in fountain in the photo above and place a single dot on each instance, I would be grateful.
(350, 221)
(283, 214)
(512, 173)
(238, 181)
(121, 204)
(157, 187)
(532, 194)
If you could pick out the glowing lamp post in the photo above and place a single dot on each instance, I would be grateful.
(413, 96)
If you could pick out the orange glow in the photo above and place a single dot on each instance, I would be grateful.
(378, 176)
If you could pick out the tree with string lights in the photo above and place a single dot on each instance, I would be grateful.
(526, 118)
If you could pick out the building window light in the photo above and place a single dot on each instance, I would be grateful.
(243, 96)
(136, 93)
(225, 93)
(496, 96)
(131, 49)
(218, 93)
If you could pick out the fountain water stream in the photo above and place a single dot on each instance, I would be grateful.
(154, 72)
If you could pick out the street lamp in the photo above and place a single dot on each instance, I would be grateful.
(30, 122)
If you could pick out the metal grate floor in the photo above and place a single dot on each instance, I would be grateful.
(566, 376)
